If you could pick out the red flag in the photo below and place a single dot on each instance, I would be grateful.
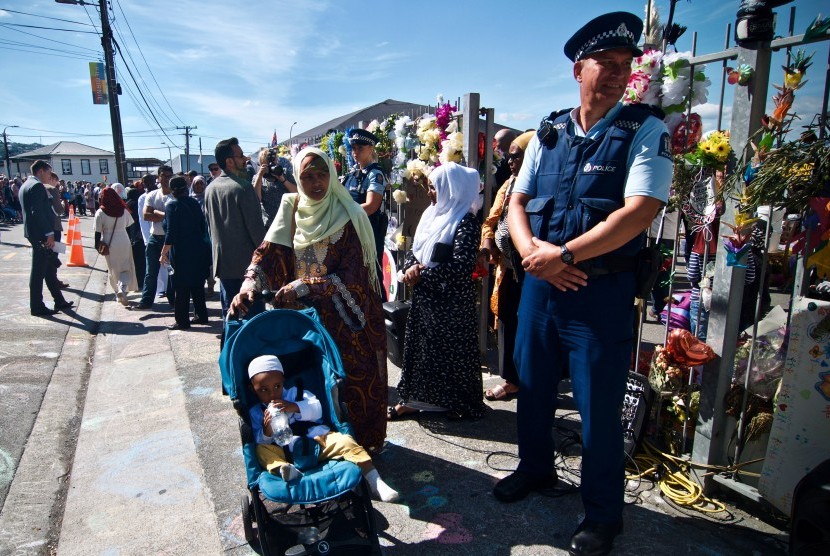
(274, 139)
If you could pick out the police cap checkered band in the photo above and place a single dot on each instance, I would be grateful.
(362, 137)
(606, 32)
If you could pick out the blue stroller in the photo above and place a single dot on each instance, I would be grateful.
(329, 508)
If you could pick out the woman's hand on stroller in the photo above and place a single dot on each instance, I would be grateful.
(286, 295)
(241, 303)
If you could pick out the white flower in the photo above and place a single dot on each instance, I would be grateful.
(373, 126)
(342, 150)
(452, 127)
(440, 98)
(400, 196)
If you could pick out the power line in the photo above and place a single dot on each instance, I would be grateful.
(80, 134)
(86, 58)
(129, 27)
(45, 17)
(130, 72)
(149, 92)
(30, 34)
(47, 28)
(30, 45)
(146, 113)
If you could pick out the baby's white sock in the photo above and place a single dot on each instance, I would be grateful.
(379, 488)
(288, 472)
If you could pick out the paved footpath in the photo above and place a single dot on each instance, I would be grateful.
(122, 443)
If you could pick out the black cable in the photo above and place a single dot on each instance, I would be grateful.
(39, 16)
(47, 28)
(139, 107)
(129, 71)
(158, 107)
(118, 3)
(44, 53)
(30, 45)
(30, 34)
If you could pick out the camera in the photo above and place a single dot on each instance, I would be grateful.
(273, 162)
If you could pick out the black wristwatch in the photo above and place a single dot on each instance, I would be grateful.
(567, 256)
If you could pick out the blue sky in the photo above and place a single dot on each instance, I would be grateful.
(248, 68)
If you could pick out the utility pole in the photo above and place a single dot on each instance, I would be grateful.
(6, 146)
(113, 89)
(187, 129)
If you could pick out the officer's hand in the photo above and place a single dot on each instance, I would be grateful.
(544, 261)
(571, 278)
(240, 304)
(50, 242)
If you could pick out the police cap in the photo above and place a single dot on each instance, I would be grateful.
(606, 32)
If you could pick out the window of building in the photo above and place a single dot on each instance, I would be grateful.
(66, 167)
(104, 165)
(86, 169)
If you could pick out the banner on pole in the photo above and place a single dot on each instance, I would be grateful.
(98, 77)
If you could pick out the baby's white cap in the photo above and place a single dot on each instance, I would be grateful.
(264, 364)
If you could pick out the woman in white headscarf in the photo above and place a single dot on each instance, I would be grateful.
(441, 364)
(320, 252)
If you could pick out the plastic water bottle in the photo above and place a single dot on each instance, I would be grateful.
(170, 270)
(279, 426)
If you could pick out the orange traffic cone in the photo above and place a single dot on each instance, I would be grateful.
(69, 233)
(76, 252)
(71, 213)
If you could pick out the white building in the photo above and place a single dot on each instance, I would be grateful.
(71, 162)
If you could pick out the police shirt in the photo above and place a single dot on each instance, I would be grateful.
(650, 163)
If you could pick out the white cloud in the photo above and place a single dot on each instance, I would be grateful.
(4, 13)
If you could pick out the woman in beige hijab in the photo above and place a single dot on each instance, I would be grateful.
(497, 247)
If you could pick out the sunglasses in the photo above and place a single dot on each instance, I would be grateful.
(515, 156)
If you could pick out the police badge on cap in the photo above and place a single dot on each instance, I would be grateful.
(606, 32)
(362, 137)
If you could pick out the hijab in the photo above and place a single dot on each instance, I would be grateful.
(111, 203)
(317, 220)
(456, 189)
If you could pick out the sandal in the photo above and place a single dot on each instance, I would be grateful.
(498, 393)
(392, 413)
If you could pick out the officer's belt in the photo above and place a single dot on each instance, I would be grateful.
(608, 264)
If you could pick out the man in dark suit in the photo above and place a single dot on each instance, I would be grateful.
(234, 215)
(39, 229)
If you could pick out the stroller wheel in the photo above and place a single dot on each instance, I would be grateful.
(247, 523)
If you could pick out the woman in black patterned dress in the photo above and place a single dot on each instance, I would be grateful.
(441, 364)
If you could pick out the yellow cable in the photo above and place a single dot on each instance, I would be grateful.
(675, 484)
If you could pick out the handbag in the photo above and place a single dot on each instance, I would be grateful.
(103, 247)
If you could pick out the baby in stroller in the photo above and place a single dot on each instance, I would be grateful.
(305, 418)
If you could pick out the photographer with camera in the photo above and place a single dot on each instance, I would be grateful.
(273, 178)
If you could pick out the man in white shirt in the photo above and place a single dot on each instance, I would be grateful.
(152, 216)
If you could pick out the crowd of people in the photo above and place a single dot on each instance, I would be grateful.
(566, 224)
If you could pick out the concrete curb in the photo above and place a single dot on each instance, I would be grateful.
(31, 515)
(137, 484)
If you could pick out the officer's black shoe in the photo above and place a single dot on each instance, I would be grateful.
(518, 485)
(594, 539)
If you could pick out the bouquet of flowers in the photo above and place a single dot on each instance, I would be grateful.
(711, 152)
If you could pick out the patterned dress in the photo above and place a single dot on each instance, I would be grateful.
(340, 291)
(441, 363)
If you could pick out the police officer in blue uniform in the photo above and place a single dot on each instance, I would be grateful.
(366, 184)
(593, 179)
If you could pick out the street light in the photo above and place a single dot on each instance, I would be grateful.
(290, 129)
(169, 152)
(6, 145)
(112, 87)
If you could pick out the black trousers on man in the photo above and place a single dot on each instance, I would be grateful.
(44, 269)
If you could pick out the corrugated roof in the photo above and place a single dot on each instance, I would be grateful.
(378, 111)
(65, 148)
